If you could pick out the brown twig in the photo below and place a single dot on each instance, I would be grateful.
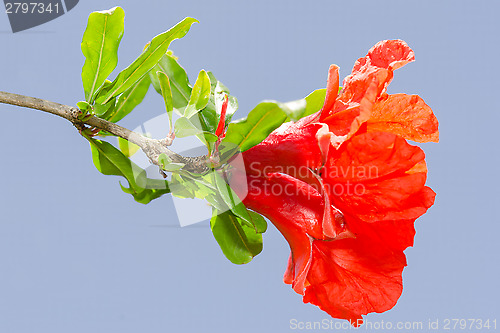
(153, 148)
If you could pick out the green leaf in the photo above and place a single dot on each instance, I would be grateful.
(166, 92)
(168, 165)
(127, 148)
(179, 83)
(258, 222)
(217, 86)
(315, 101)
(209, 137)
(100, 47)
(238, 242)
(261, 121)
(220, 90)
(269, 115)
(102, 110)
(295, 109)
(147, 60)
(181, 92)
(232, 202)
(84, 106)
(185, 186)
(199, 95)
(129, 100)
(231, 199)
(110, 161)
(173, 166)
(185, 127)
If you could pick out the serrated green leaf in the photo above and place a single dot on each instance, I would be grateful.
(127, 148)
(129, 100)
(147, 60)
(261, 121)
(199, 95)
(238, 242)
(100, 43)
(110, 161)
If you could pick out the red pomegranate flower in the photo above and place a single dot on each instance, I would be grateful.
(344, 187)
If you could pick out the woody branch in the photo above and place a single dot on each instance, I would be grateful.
(151, 147)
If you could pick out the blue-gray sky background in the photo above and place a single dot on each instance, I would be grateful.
(79, 255)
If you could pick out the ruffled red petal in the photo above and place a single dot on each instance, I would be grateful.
(346, 277)
(390, 54)
(381, 60)
(363, 87)
(352, 277)
(373, 176)
(351, 111)
(405, 115)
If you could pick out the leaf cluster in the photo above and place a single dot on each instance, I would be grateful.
(237, 230)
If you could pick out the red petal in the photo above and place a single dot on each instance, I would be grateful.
(405, 115)
(390, 54)
(332, 88)
(290, 271)
(288, 202)
(352, 277)
(378, 176)
(367, 82)
(394, 199)
(291, 148)
(396, 235)
(372, 155)
(347, 116)
(381, 60)
(296, 209)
